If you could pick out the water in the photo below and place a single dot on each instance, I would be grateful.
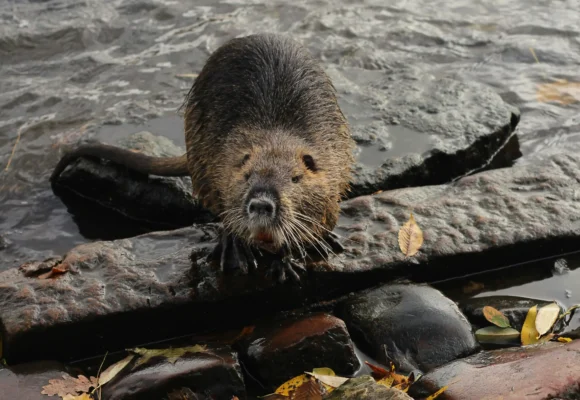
(71, 69)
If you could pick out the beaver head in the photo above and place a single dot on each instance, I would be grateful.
(278, 190)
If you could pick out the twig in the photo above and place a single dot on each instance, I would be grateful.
(15, 144)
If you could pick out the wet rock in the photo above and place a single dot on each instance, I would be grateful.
(513, 307)
(120, 293)
(414, 326)
(278, 351)
(405, 139)
(365, 388)
(214, 373)
(25, 381)
(420, 130)
(531, 373)
(158, 202)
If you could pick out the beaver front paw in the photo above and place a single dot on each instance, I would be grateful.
(232, 253)
(286, 267)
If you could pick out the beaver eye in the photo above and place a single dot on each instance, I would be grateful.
(296, 178)
(245, 159)
(309, 162)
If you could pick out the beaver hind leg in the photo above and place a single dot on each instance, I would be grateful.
(231, 254)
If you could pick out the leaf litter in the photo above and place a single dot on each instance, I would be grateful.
(410, 237)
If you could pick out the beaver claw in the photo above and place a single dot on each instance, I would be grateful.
(231, 253)
(333, 240)
(286, 267)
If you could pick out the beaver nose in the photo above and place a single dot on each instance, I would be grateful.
(261, 207)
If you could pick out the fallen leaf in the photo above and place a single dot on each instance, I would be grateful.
(69, 386)
(377, 372)
(437, 393)
(113, 370)
(546, 318)
(84, 396)
(496, 317)
(289, 386)
(310, 390)
(323, 371)
(187, 76)
(387, 381)
(171, 354)
(494, 334)
(564, 339)
(410, 237)
(246, 330)
(529, 333)
(55, 271)
(561, 91)
(332, 381)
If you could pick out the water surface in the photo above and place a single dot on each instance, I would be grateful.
(77, 69)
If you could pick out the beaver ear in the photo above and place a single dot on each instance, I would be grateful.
(245, 159)
(309, 162)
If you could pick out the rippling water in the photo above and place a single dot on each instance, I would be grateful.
(105, 69)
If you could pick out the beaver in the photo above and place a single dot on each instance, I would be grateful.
(269, 151)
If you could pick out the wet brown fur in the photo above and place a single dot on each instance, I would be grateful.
(262, 96)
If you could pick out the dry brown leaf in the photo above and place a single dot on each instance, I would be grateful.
(69, 386)
(291, 385)
(546, 318)
(311, 390)
(55, 271)
(410, 237)
(496, 317)
(84, 396)
(561, 91)
(378, 372)
(113, 370)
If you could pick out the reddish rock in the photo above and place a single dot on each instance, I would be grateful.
(278, 351)
(531, 373)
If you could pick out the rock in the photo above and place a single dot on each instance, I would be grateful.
(419, 130)
(25, 381)
(531, 373)
(365, 388)
(159, 202)
(214, 373)
(414, 326)
(513, 307)
(278, 351)
(406, 115)
(121, 293)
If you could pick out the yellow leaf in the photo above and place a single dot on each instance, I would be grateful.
(113, 370)
(289, 386)
(529, 333)
(564, 339)
(323, 371)
(495, 317)
(387, 381)
(171, 354)
(546, 318)
(410, 237)
(437, 393)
